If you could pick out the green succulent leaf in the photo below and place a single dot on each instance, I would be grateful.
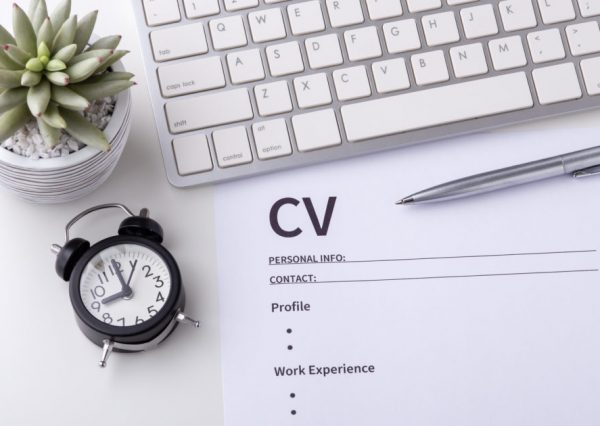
(24, 33)
(66, 34)
(84, 131)
(83, 70)
(61, 14)
(56, 65)
(85, 27)
(33, 4)
(30, 78)
(35, 65)
(10, 79)
(112, 59)
(102, 90)
(12, 97)
(40, 14)
(6, 37)
(17, 54)
(13, 120)
(51, 135)
(7, 63)
(53, 118)
(38, 98)
(68, 99)
(66, 53)
(43, 50)
(109, 42)
(58, 78)
(46, 34)
(110, 76)
(104, 54)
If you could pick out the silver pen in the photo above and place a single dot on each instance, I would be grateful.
(578, 164)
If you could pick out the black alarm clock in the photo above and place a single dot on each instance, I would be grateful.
(126, 290)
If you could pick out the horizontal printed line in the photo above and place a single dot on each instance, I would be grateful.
(474, 256)
(443, 277)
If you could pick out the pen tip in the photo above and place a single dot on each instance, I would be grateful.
(407, 200)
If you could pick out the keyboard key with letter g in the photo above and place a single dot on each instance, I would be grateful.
(432, 107)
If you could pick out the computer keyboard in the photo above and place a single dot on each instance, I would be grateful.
(243, 87)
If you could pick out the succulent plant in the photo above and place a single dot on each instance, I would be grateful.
(49, 72)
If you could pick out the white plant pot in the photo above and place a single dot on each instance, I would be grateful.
(43, 181)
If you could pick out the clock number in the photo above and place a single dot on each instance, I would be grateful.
(159, 282)
(99, 291)
(138, 320)
(148, 270)
(107, 318)
(122, 320)
(152, 311)
(159, 297)
(96, 306)
(100, 279)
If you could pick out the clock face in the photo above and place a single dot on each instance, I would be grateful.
(125, 285)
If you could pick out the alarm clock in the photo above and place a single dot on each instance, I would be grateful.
(126, 290)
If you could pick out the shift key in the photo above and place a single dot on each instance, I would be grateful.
(210, 110)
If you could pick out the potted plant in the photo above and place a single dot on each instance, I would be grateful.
(64, 104)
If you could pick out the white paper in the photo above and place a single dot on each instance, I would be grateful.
(482, 311)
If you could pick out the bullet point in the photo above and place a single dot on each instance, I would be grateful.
(292, 395)
(293, 412)
(289, 331)
(290, 347)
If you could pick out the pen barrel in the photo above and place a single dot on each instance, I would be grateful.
(581, 160)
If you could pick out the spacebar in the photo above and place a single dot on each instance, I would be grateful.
(440, 105)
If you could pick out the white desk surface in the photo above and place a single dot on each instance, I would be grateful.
(48, 369)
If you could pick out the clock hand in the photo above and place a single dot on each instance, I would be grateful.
(131, 275)
(117, 269)
(116, 296)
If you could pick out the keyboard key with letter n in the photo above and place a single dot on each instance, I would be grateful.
(437, 106)
(201, 112)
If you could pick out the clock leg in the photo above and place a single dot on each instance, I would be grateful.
(106, 351)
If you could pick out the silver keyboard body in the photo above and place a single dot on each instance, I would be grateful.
(348, 149)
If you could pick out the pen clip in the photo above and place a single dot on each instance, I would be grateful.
(590, 171)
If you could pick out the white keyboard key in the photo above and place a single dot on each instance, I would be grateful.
(423, 5)
(456, 2)
(383, 9)
(200, 8)
(323, 51)
(192, 155)
(312, 90)
(589, 8)
(316, 130)
(546, 79)
(591, 74)
(272, 139)
(362, 43)
(344, 12)
(273, 98)
(436, 106)
(306, 17)
(507, 53)
(351, 83)
(440, 28)
(430, 68)
(517, 14)
(192, 76)
(233, 5)
(545, 45)
(554, 11)
(584, 38)
(245, 66)
(161, 12)
(468, 60)
(390, 75)
(178, 42)
(232, 147)
(274, 1)
(479, 21)
(266, 25)
(228, 33)
(200, 112)
(284, 59)
(401, 36)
